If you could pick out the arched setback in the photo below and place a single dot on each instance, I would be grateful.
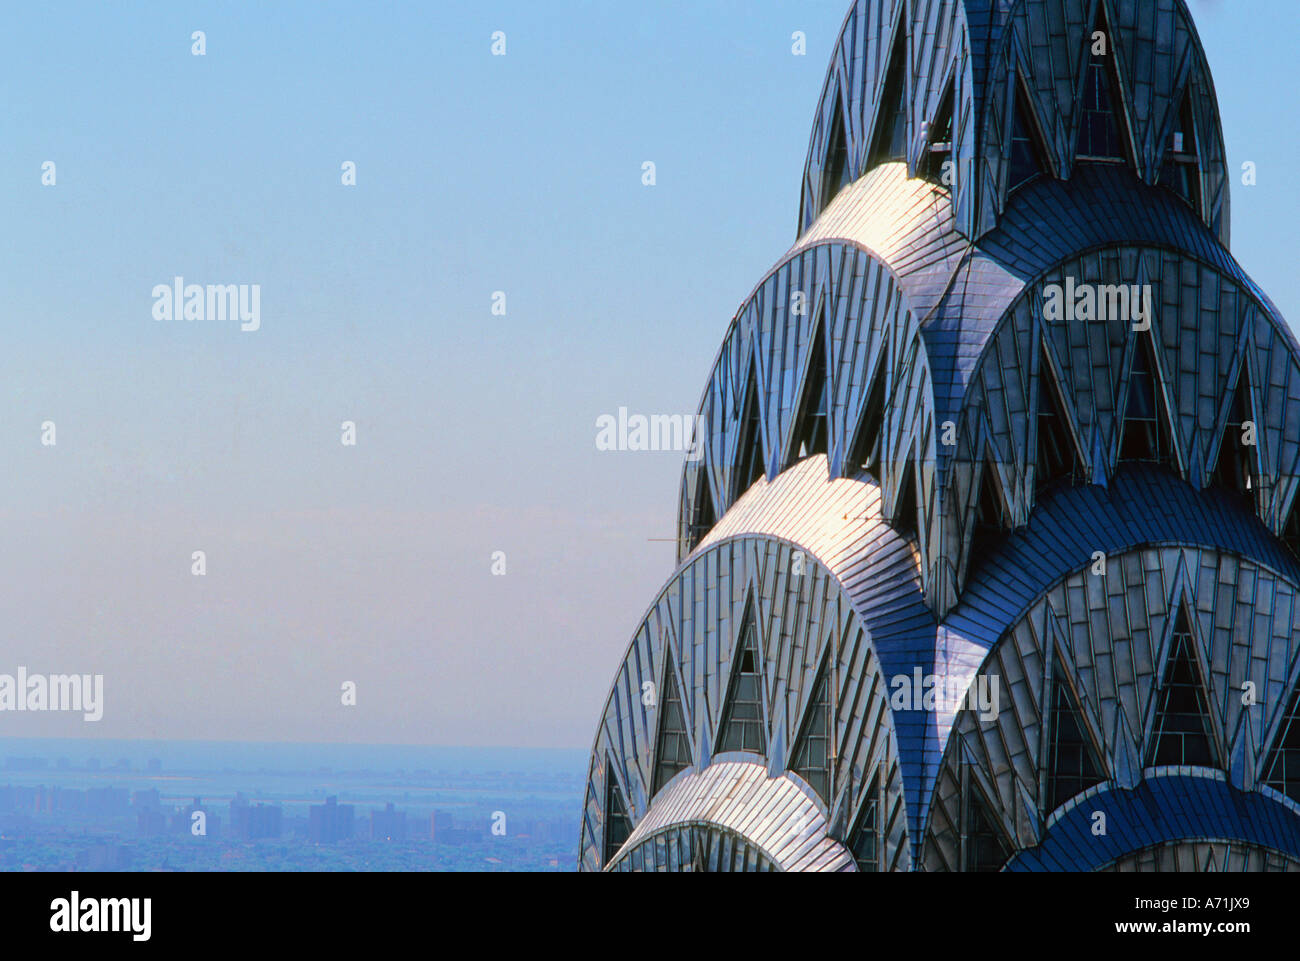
(695, 848)
(1157, 116)
(804, 625)
(697, 827)
(1137, 697)
(771, 379)
(865, 89)
(1117, 394)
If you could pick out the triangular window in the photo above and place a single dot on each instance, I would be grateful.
(812, 425)
(742, 714)
(986, 848)
(905, 522)
(1102, 118)
(1236, 469)
(1072, 764)
(891, 117)
(991, 522)
(699, 863)
(939, 149)
(1146, 432)
(1284, 763)
(1182, 728)
(1026, 159)
(617, 824)
(812, 753)
(867, 444)
(673, 749)
(835, 171)
(864, 839)
(1058, 458)
(1181, 171)
(702, 517)
(749, 453)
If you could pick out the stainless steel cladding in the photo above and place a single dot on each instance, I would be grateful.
(989, 558)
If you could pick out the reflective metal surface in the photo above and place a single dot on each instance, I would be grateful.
(1063, 511)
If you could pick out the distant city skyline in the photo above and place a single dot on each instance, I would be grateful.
(62, 809)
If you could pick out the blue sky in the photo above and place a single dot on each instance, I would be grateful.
(475, 432)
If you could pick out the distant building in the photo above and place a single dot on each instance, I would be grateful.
(256, 821)
(331, 821)
(440, 823)
(151, 822)
(108, 801)
(388, 824)
(70, 800)
(444, 830)
(17, 798)
(263, 821)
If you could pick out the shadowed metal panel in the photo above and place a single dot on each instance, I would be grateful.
(1162, 809)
